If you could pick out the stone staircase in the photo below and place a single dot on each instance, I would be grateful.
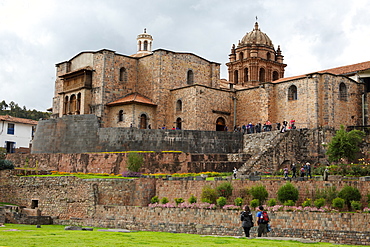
(269, 150)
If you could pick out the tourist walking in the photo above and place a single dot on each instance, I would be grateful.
(326, 173)
(247, 220)
(308, 170)
(302, 171)
(235, 171)
(286, 173)
(294, 170)
(262, 221)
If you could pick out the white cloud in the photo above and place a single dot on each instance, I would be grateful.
(37, 34)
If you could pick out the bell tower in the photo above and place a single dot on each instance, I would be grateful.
(144, 43)
(254, 60)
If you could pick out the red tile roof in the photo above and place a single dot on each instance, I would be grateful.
(343, 70)
(348, 69)
(132, 98)
(17, 120)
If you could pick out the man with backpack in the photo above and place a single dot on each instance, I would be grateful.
(262, 221)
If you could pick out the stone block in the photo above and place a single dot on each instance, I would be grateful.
(367, 178)
(254, 178)
(73, 228)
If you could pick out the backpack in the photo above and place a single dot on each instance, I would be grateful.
(264, 219)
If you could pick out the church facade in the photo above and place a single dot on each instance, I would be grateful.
(166, 89)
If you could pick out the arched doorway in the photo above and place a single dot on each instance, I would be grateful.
(143, 121)
(178, 123)
(220, 124)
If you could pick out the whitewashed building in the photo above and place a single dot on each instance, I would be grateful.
(16, 134)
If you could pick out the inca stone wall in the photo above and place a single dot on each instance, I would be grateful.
(339, 228)
(115, 163)
(120, 203)
(81, 133)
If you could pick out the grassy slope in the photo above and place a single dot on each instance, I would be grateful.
(54, 235)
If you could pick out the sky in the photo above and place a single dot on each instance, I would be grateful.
(37, 34)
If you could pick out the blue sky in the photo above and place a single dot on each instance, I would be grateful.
(35, 35)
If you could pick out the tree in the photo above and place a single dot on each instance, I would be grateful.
(344, 144)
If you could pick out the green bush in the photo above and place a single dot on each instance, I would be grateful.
(164, 200)
(319, 202)
(192, 199)
(208, 194)
(356, 205)
(271, 202)
(6, 164)
(154, 199)
(179, 200)
(2, 153)
(255, 203)
(349, 194)
(289, 203)
(259, 192)
(368, 198)
(238, 201)
(221, 201)
(338, 203)
(134, 162)
(225, 189)
(287, 192)
(307, 203)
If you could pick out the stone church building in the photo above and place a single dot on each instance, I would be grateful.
(153, 89)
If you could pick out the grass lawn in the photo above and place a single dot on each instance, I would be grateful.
(54, 235)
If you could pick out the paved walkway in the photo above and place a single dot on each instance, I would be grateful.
(302, 240)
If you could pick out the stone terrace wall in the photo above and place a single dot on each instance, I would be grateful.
(327, 227)
(307, 189)
(81, 133)
(161, 162)
(122, 203)
(73, 197)
(67, 197)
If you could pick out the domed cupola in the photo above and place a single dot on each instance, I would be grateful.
(254, 60)
(256, 37)
(144, 43)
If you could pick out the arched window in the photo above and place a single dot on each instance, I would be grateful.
(246, 74)
(220, 124)
(72, 104)
(178, 123)
(262, 75)
(120, 116)
(179, 106)
(122, 75)
(143, 121)
(292, 93)
(275, 75)
(78, 103)
(65, 106)
(190, 77)
(145, 45)
(139, 44)
(342, 92)
(236, 77)
(268, 56)
(241, 56)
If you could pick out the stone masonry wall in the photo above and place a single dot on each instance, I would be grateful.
(121, 203)
(81, 133)
(337, 228)
(160, 162)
